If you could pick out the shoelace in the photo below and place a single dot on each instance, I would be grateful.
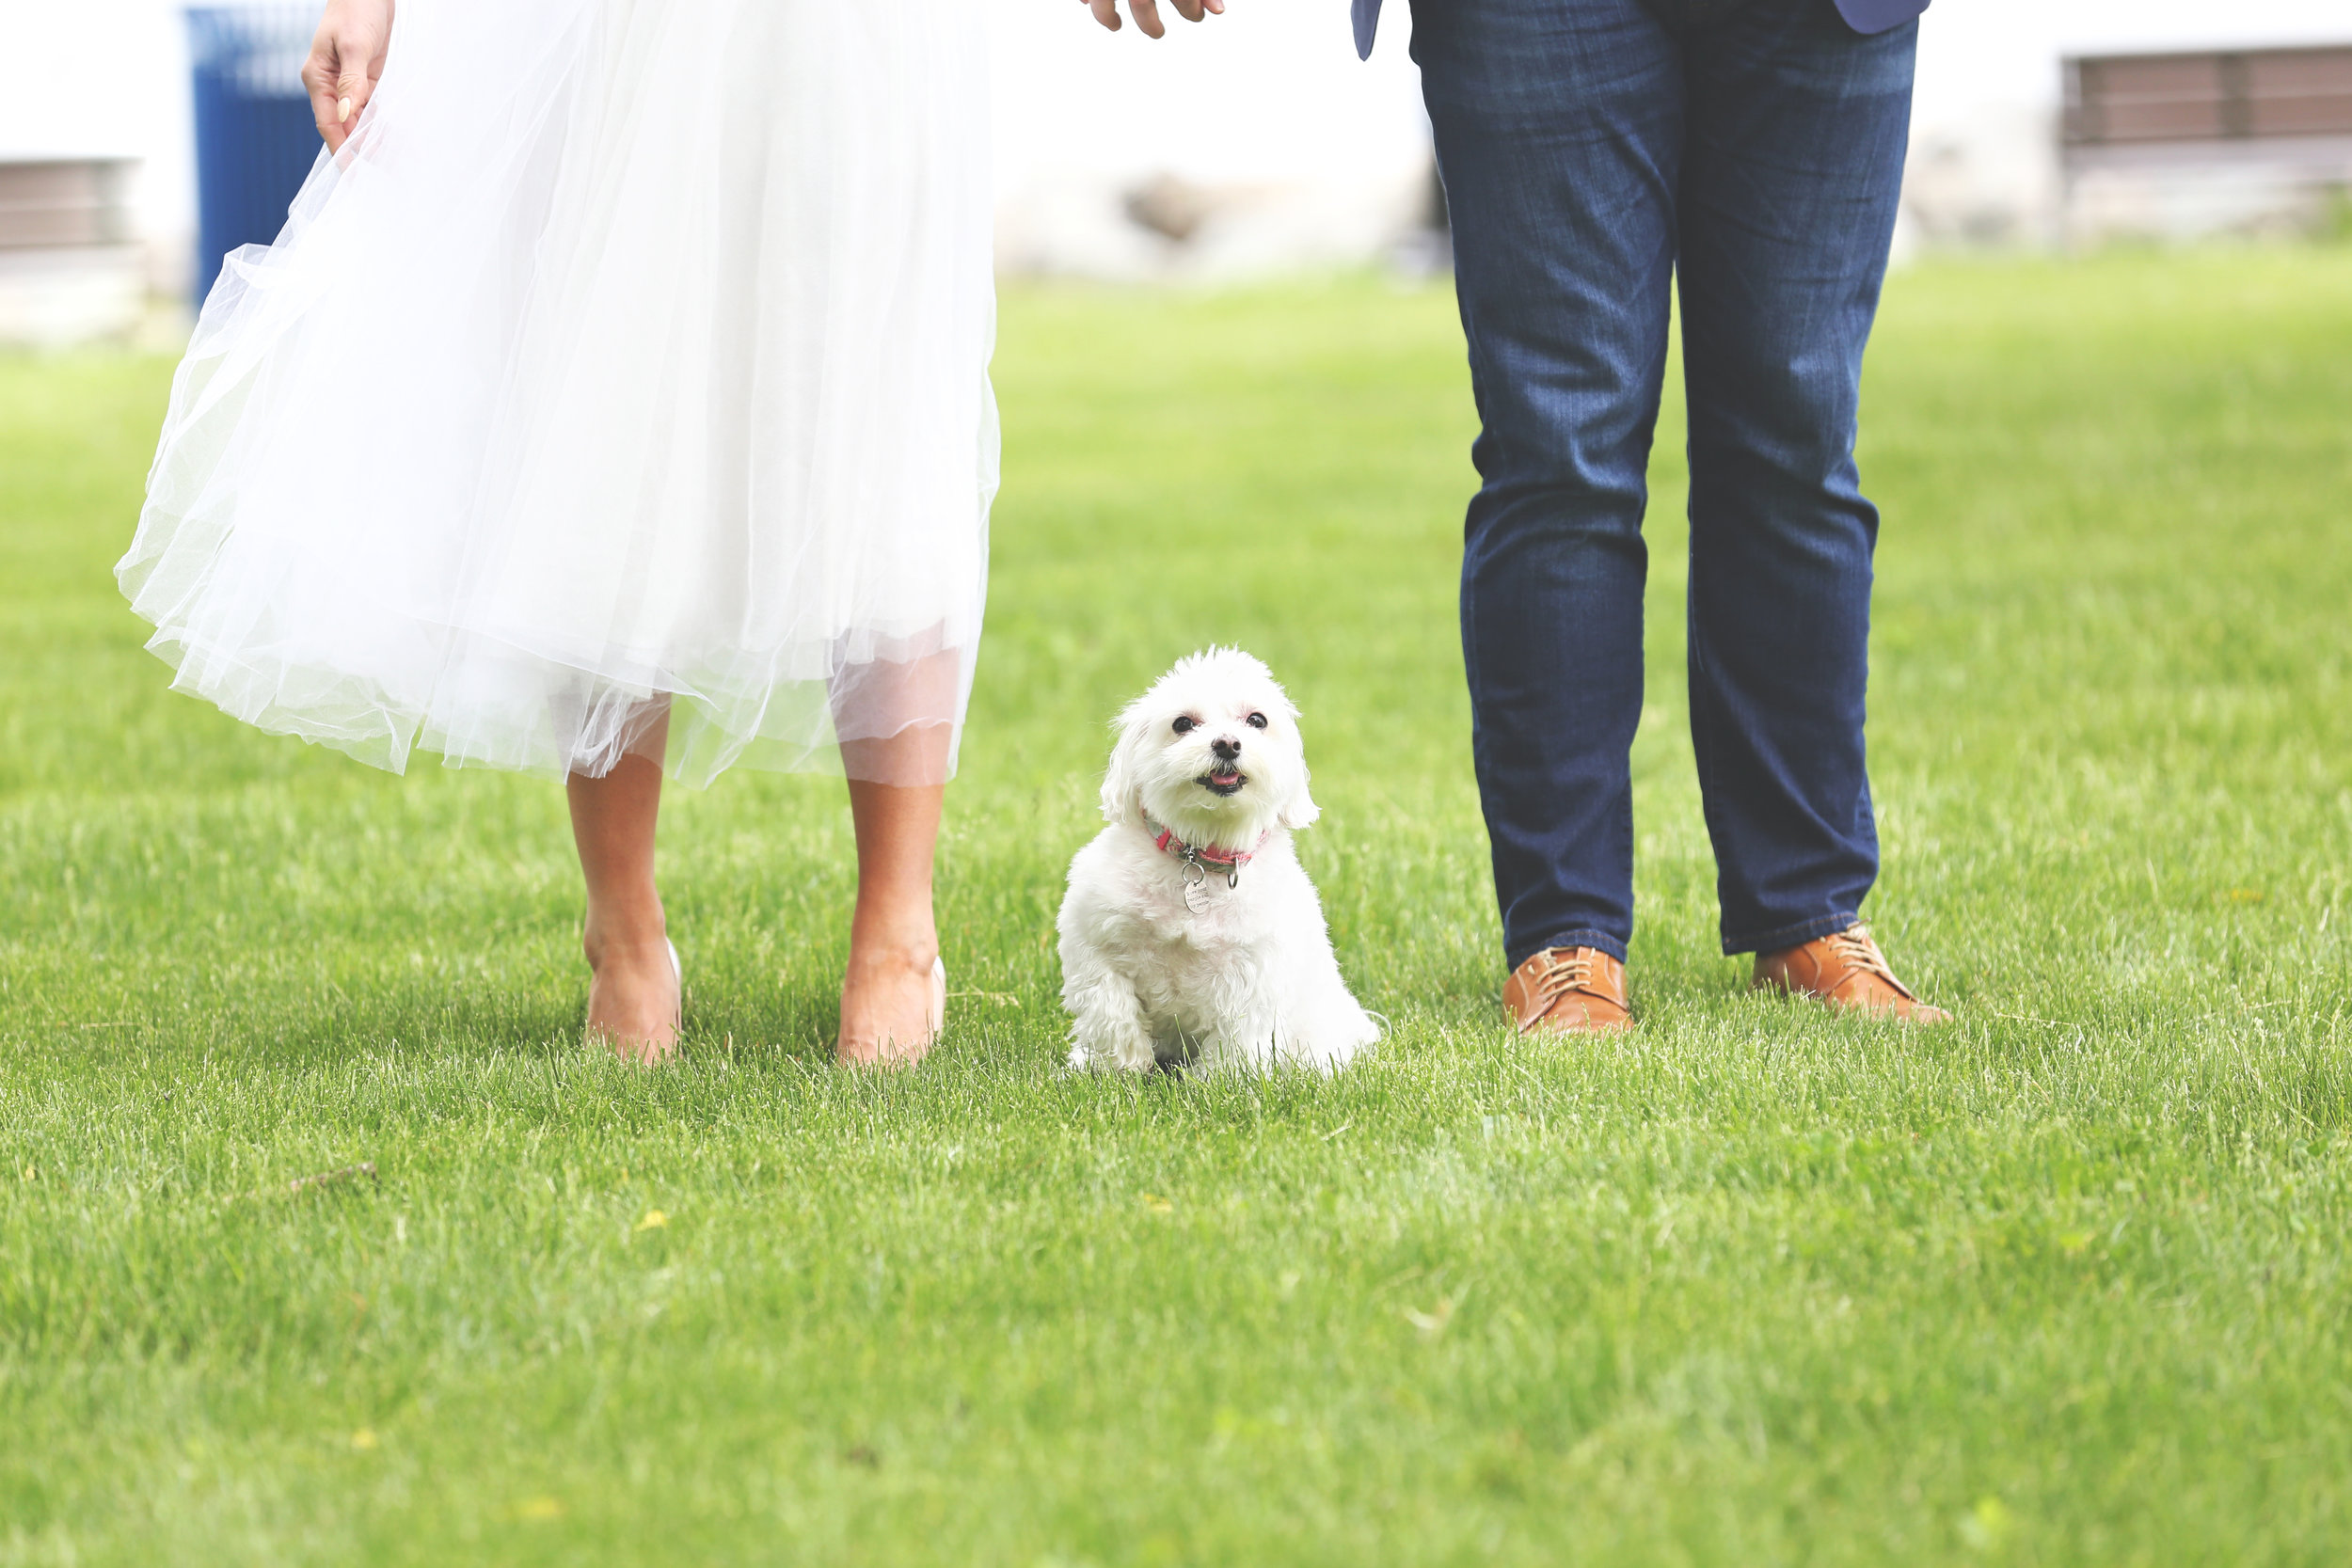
(1560, 976)
(1855, 945)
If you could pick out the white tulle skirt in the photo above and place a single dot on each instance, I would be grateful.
(630, 360)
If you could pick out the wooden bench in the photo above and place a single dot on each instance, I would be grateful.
(70, 263)
(2214, 138)
(2215, 96)
(54, 203)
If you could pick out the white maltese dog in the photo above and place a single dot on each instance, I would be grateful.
(1190, 934)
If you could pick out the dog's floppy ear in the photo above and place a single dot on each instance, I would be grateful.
(1300, 810)
(1122, 793)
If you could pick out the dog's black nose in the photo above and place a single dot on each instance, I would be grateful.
(1225, 747)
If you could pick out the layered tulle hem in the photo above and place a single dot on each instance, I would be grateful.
(881, 708)
(621, 387)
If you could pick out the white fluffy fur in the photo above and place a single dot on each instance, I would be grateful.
(1237, 974)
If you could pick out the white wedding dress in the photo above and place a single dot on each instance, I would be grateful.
(632, 357)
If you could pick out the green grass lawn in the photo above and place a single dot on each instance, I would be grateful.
(2067, 1283)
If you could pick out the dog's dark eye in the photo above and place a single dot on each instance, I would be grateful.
(1186, 726)
(1257, 721)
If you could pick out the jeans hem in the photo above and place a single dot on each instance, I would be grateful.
(1789, 936)
(1514, 957)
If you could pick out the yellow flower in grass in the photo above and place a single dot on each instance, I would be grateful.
(655, 1220)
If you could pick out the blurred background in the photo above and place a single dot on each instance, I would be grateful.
(1249, 147)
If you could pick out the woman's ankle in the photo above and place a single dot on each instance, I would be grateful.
(608, 934)
(881, 959)
(904, 937)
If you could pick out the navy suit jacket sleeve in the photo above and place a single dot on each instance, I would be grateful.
(1863, 16)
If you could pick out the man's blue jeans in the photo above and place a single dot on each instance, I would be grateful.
(1593, 154)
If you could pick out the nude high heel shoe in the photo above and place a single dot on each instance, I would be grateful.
(934, 1023)
(637, 1050)
(677, 1023)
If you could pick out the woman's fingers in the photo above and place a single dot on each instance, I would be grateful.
(1148, 13)
(346, 57)
(353, 86)
(339, 83)
(319, 75)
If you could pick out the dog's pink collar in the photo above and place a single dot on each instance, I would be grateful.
(1197, 858)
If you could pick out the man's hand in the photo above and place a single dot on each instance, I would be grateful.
(345, 59)
(1148, 13)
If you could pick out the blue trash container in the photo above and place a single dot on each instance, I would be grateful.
(255, 138)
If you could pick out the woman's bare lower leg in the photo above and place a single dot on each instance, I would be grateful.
(633, 994)
(886, 995)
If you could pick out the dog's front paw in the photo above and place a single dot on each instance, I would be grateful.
(1333, 1044)
(1333, 1057)
(1112, 1050)
(1314, 1057)
(1082, 1059)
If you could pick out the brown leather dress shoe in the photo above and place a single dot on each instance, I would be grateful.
(1568, 991)
(1844, 969)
